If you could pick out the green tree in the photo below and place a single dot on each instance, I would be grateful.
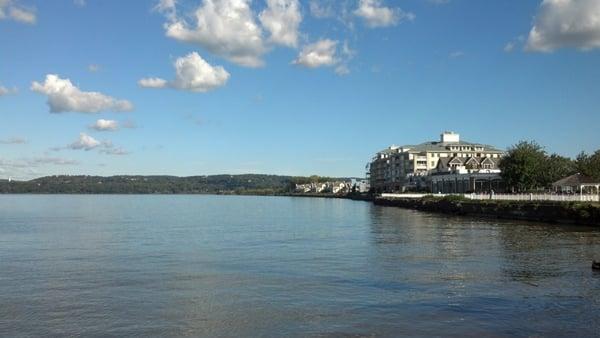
(589, 165)
(522, 168)
(555, 168)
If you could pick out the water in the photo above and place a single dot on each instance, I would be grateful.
(273, 266)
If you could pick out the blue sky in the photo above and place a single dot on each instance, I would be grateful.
(287, 87)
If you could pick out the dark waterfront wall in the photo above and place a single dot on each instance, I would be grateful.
(556, 212)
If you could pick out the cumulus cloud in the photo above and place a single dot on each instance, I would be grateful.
(63, 96)
(565, 23)
(105, 125)
(319, 54)
(13, 140)
(375, 14)
(79, 3)
(282, 19)
(192, 73)
(224, 27)
(10, 9)
(509, 47)
(85, 142)
(325, 53)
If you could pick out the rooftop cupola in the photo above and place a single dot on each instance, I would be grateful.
(449, 137)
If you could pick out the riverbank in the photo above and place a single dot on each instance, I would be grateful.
(551, 212)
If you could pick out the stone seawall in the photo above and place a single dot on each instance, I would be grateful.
(554, 212)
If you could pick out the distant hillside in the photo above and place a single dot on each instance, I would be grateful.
(214, 184)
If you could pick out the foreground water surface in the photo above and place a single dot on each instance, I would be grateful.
(273, 266)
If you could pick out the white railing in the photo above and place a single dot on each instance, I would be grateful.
(535, 197)
(509, 197)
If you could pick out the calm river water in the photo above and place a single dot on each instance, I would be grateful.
(274, 266)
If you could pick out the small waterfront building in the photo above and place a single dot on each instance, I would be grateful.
(577, 183)
(401, 168)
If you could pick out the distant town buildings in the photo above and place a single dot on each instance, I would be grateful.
(361, 186)
(335, 187)
(445, 166)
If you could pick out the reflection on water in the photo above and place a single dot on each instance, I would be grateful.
(266, 266)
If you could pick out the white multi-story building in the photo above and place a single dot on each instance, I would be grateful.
(399, 168)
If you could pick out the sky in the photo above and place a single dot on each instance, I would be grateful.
(198, 87)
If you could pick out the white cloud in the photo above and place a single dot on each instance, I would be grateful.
(342, 70)
(23, 15)
(63, 96)
(129, 124)
(347, 54)
(114, 151)
(224, 27)
(376, 14)
(93, 68)
(321, 9)
(152, 82)
(79, 3)
(25, 168)
(85, 142)
(192, 73)
(509, 47)
(318, 54)
(10, 9)
(35, 161)
(439, 2)
(13, 140)
(53, 160)
(282, 19)
(167, 7)
(565, 23)
(6, 91)
(457, 54)
(105, 125)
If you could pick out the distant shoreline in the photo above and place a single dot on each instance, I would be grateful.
(580, 213)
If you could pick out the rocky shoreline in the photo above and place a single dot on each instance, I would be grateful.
(550, 212)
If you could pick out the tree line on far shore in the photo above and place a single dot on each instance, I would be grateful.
(527, 167)
(250, 184)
